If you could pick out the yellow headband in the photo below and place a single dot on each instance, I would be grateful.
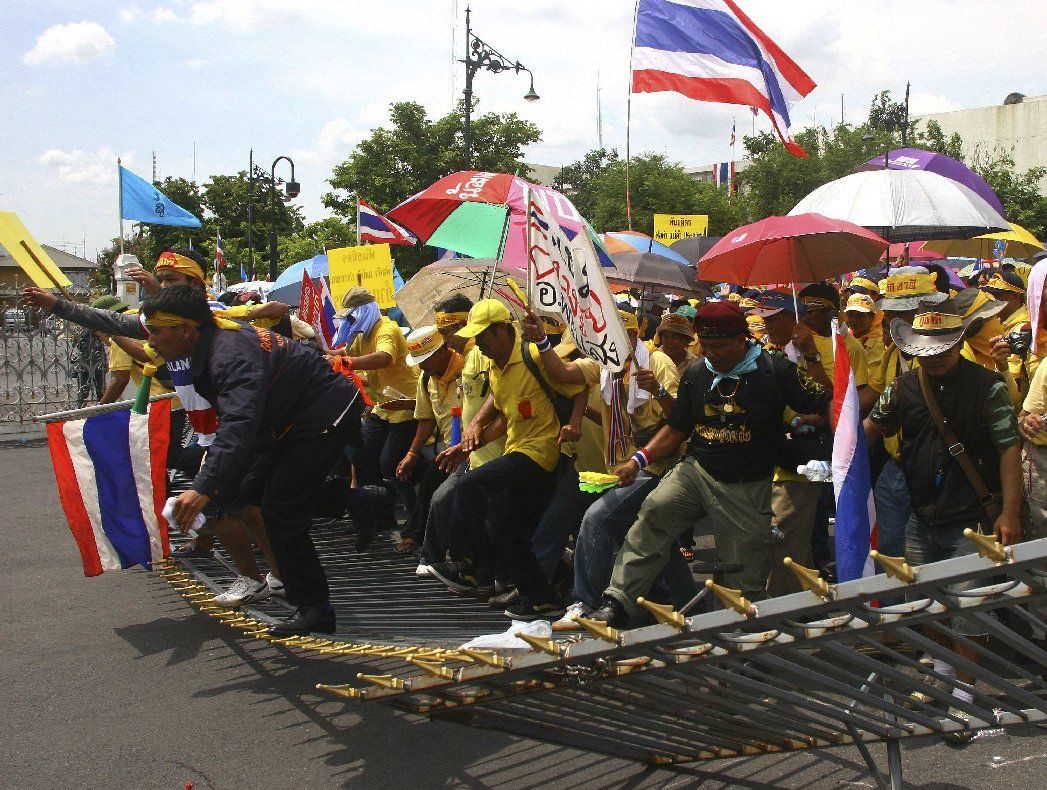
(425, 344)
(172, 260)
(630, 321)
(997, 283)
(863, 282)
(937, 322)
(450, 319)
(900, 286)
(161, 318)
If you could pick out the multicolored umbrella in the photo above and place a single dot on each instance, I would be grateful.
(801, 248)
(484, 215)
(640, 242)
(921, 159)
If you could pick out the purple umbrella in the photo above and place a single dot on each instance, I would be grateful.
(919, 159)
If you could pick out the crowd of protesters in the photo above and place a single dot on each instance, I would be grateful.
(721, 403)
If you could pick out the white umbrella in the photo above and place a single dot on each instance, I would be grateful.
(905, 205)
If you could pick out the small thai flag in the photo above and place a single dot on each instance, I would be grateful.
(112, 480)
(852, 477)
(380, 230)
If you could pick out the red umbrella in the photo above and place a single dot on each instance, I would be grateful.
(916, 252)
(802, 248)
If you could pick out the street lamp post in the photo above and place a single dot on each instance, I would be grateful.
(291, 189)
(480, 55)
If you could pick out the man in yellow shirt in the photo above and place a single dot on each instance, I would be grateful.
(511, 492)
(376, 348)
(860, 315)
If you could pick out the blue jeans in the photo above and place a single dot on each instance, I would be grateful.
(924, 544)
(893, 509)
(562, 518)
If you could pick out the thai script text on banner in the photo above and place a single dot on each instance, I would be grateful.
(673, 227)
(566, 277)
(370, 266)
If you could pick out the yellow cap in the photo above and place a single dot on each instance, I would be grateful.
(422, 343)
(483, 314)
(860, 303)
(630, 321)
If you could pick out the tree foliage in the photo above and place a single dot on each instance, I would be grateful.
(414, 151)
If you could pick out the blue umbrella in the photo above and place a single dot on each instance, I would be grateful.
(288, 286)
(644, 243)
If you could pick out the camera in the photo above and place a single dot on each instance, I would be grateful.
(1020, 341)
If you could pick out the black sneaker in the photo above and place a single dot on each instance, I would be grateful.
(504, 599)
(610, 612)
(459, 575)
(306, 620)
(541, 610)
(191, 551)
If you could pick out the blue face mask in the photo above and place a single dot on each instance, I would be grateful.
(747, 365)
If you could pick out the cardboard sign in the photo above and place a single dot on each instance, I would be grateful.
(370, 266)
(28, 253)
(673, 227)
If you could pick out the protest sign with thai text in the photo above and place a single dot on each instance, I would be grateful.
(673, 227)
(370, 266)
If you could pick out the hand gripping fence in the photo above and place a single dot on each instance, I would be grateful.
(823, 667)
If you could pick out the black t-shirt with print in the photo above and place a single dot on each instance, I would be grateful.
(735, 428)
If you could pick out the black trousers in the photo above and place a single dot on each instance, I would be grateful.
(432, 479)
(509, 493)
(285, 481)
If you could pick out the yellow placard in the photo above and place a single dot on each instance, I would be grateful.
(28, 253)
(370, 266)
(673, 227)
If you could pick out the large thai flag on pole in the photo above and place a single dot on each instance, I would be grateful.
(710, 51)
(112, 482)
(852, 477)
(380, 230)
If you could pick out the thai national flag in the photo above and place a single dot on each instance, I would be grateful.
(710, 51)
(316, 308)
(112, 481)
(379, 230)
(219, 253)
(721, 174)
(852, 477)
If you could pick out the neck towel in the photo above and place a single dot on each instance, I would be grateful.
(747, 365)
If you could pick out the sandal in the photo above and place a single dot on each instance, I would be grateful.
(406, 546)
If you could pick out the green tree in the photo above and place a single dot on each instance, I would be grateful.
(316, 238)
(414, 151)
(1020, 193)
(658, 186)
(576, 179)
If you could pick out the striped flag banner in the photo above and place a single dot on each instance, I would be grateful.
(112, 482)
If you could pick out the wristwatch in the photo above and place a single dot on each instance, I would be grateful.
(813, 357)
(661, 393)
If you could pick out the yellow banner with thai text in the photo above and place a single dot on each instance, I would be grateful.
(370, 266)
(673, 227)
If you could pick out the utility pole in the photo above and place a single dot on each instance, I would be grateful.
(905, 124)
(599, 112)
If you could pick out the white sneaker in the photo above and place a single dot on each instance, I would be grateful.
(243, 590)
(567, 623)
(422, 570)
(276, 587)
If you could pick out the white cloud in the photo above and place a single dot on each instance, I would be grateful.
(79, 42)
(78, 167)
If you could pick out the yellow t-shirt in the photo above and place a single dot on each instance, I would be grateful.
(386, 336)
(861, 377)
(1036, 400)
(649, 415)
(476, 387)
(120, 360)
(532, 425)
(435, 399)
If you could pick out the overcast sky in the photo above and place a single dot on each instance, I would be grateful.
(83, 82)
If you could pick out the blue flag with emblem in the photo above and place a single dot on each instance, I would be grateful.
(140, 201)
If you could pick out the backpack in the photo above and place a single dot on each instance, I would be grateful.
(561, 403)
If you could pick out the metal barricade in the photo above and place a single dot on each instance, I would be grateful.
(825, 667)
(46, 365)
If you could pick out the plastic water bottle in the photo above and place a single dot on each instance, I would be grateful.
(456, 425)
(816, 471)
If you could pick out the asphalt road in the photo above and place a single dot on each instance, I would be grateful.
(115, 682)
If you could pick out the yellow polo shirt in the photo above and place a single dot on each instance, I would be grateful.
(476, 386)
(874, 354)
(386, 336)
(436, 398)
(532, 425)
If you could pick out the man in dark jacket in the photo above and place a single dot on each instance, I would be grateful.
(977, 409)
(284, 417)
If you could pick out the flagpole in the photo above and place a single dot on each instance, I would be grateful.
(530, 264)
(357, 219)
(120, 201)
(628, 123)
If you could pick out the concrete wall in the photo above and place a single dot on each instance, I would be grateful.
(1021, 127)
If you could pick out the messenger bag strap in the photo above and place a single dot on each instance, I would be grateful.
(953, 444)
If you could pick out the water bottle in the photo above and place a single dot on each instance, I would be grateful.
(456, 425)
(816, 471)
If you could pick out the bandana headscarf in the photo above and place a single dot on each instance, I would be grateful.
(359, 322)
(179, 263)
